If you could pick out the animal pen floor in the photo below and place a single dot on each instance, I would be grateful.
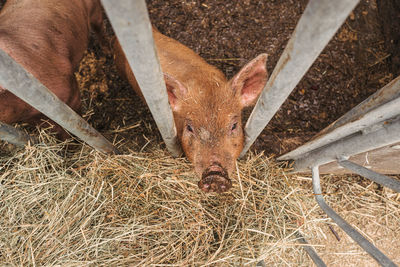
(62, 203)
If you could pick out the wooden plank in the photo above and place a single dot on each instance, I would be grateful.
(318, 24)
(16, 79)
(131, 23)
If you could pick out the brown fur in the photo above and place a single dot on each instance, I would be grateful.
(48, 38)
(204, 100)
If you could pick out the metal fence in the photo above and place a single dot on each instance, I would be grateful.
(139, 48)
(373, 124)
(371, 127)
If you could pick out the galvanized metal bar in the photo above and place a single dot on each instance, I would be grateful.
(310, 251)
(376, 177)
(24, 85)
(131, 24)
(382, 105)
(380, 135)
(13, 135)
(356, 236)
(318, 24)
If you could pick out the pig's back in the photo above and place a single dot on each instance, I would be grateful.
(49, 31)
(48, 38)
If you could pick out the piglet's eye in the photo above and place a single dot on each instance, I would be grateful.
(189, 128)
(234, 126)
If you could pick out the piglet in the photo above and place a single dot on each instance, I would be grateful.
(206, 106)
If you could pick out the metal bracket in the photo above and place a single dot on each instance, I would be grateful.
(373, 176)
(354, 234)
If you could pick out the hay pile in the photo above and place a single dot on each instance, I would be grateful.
(65, 204)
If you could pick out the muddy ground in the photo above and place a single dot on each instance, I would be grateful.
(228, 34)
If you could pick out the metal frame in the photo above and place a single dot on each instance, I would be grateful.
(370, 125)
(138, 45)
(374, 136)
(386, 133)
(296, 59)
(16, 79)
(131, 23)
(373, 176)
(356, 236)
(382, 105)
(310, 251)
(318, 24)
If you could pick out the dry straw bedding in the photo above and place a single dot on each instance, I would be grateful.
(65, 204)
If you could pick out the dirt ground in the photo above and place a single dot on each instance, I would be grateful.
(228, 34)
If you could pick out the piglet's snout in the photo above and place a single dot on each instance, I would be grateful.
(215, 179)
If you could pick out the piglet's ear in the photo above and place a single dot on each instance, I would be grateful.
(250, 80)
(176, 91)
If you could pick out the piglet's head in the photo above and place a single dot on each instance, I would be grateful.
(208, 115)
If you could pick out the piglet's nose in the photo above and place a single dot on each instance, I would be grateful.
(215, 183)
(215, 179)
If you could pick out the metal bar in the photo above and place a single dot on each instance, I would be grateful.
(131, 24)
(386, 133)
(318, 24)
(310, 251)
(376, 177)
(356, 236)
(13, 135)
(380, 106)
(17, 80)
